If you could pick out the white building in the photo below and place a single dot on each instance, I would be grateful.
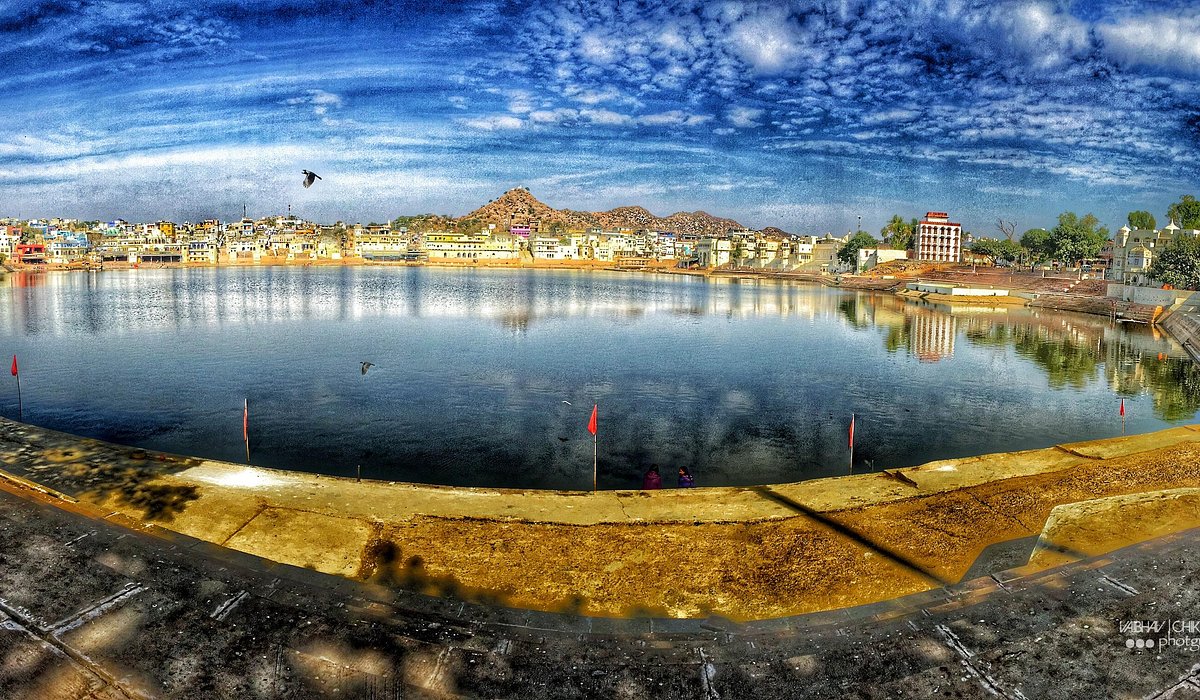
(1134, 251)
(714, 252)
(938, 238)
(872, 257)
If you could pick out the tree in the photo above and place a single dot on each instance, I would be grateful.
(848, 253)
(1178, 264)
(1143, 220)
(988, 247)
(1037, 242)
(1075, 239)
(1007, 228)
(898, 233)
(1186, 212)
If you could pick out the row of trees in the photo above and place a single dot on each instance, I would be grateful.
(1072, 240)
(1185, 213)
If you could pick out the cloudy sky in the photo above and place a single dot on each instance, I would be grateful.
(801, 115)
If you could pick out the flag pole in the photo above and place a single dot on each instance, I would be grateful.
(20, 404)
(851, 443)
(246, 427)
(593, 428)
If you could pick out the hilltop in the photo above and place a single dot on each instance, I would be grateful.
(518, 206)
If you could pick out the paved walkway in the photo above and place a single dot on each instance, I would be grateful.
(92, 609)
(745, 553)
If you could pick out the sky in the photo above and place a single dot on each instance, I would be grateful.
(801, 115)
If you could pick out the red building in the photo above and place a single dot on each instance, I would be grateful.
(938, 238)
(30, 254)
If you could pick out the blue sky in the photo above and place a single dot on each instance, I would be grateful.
(800, 115)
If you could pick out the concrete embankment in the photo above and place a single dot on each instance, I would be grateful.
(739, 552)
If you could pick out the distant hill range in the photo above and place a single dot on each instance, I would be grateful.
(517, 206)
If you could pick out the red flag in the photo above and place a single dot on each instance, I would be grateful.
(14, 369)
(592, 422)
(246, 420)
(1122, 407)
(851, 430)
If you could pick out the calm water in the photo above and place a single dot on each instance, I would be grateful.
(748, 381)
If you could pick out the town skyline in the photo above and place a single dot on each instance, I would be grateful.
(987, 229)
(802, 116)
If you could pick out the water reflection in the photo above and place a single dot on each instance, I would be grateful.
(140, 300)
(744, 380)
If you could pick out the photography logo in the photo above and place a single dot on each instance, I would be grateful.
(1161, 634)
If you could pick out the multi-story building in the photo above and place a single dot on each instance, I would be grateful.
(938, 238)
(1133, 251)
(714, 252)
(824, 253)
(465, 246)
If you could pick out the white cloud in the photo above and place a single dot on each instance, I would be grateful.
(553, 116)
(674, 117)
(769, 42)
(604, 116)
(744, 117)
(493, 122)
(320, 101)
(1155, 41)
(597, 49)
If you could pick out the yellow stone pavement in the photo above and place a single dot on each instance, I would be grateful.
(739, 552)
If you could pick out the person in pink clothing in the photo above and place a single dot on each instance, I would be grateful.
(652, 480)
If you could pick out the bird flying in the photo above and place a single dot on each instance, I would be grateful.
(567, 403)
(309, 178)
(366, 366)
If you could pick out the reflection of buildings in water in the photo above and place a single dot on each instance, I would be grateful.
(931, 336)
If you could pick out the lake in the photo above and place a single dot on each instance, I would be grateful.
(488, 377)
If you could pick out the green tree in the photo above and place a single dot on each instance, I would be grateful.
(1075, 239)
(1186, 212)
(1036, 242)
(848, 253)
(1011, 251)
(989, 247)
(898, 233)
(1143, 220)
(997, 249)
(1178, 264)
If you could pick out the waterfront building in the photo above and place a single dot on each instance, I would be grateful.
(872, 257)
(64, 250)
(1133, 252)
(666, 245)
(714, 252)
(938, 238)
(824, 254)
(463, 246)
(551, 248)
(30, 253)
(384, 245)
(199, 252)
(10, 237)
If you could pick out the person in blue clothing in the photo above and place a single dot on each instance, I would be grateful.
(685, 478)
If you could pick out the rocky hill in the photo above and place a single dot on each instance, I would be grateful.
(518, 206)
